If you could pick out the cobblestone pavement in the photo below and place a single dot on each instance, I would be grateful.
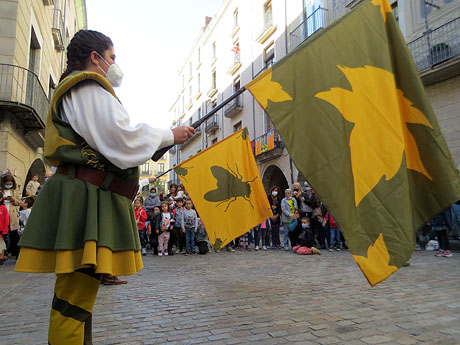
(271, 297)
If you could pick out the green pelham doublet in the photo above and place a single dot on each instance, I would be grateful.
(75, 223)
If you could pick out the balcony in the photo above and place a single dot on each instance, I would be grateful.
(58, 30)
(22, 94)
(267, 28)
(437, 52)
(234, 107)
(315, 21)
(236, 64)
(211, 124)
(268, 147)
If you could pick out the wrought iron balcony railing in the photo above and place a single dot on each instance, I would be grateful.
(437, 46)
(234, 107)
(211, 124)
(267, 144)
(22, 93)
(319, 19)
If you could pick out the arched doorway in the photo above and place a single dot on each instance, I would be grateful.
(37, 168)
(273, 176)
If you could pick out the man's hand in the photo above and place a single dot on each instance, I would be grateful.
(182, 134)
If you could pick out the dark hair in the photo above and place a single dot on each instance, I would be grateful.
(80, 48)
(8, 178)
(273, 188)
(30, 201)
(164, 203)
(179, 200)
(1, 199)
(140, 200)
(153, 189)
(172, 185)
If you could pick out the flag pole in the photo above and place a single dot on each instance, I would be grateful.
(159, 153)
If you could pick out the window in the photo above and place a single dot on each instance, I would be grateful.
(213, 141)
(145, 168)
(198, 86)
(199, 113)
(236, 85)
(190, 65)
(214, 55)
(268, 18)
(183, 82)
(235, 19)
(237, 127)
(214, 80)
(199, 56)
(269, 54)
(190, 95)
(161, 167)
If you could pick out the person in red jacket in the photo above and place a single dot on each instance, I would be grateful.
(141, 217)
(335, 232)
(4, 225)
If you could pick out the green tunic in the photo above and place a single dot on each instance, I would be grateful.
(69, 211)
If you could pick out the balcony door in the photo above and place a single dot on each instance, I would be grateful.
(31, 80)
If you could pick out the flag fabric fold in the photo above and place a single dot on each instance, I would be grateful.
(352, 110)
(224, 184)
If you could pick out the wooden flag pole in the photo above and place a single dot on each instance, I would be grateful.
(158, 154)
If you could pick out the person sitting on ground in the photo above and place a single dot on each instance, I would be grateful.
(295, 229)
(307, 240)
(201, 238)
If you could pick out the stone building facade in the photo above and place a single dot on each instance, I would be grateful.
(245, 37)
(33, 38)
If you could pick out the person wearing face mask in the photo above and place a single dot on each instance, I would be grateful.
(11, 199)
(151, 201)
(274, 195)
(82, 225)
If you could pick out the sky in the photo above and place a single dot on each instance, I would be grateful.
(151, 40)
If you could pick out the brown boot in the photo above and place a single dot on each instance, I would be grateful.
(107, 279)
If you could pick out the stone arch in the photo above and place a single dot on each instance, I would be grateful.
(36, 168)
(274, 176)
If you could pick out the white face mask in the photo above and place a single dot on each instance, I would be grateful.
(304, 226)
(274, 193)
(114, 74)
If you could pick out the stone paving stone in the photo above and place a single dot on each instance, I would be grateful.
(239, 298)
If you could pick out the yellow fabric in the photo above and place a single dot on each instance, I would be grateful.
(271, 140)
(53, 140)
(66, 261)
(264, 89)
(69, 286)
(226, 189)
(65, 330)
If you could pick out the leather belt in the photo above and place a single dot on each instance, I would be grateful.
(103, 179)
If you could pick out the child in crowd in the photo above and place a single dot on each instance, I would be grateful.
(178, 235)
(154, 227)
(141, 218)
(244, 241)
(334, 230)
(261, 233)
(295, 229)
(4, 224)
(275, 222)
(180, 192)
(189, 227)
(164, 225)
(202, 238)
(307, 240)
(26, 204)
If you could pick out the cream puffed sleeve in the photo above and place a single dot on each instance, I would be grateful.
(104, 123)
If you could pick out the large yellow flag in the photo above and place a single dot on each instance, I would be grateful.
(225, 186)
